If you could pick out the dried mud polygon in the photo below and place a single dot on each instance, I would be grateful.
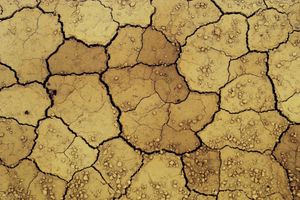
(149, 99)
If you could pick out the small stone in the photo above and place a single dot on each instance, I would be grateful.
(85, 178)
(119, 164)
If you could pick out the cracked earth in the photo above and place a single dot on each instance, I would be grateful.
(149, 99)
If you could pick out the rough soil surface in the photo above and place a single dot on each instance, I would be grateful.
(150, 99)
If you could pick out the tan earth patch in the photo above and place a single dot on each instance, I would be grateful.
(156, 49)
(248, 92)
(228, 35)
(251, 63)
(86, 20)
(284, 67)
(205, 58)
(125, 48)
(284, 70)
(194, 113)
(58, 151)
(82, 102)
(26, 182)
(178, 19)
(246, 7)
(143, 126)
(149, 126)
(267, 29)
(27, 104)
(160, 177)
(16, 141)
(247, 130)
(128, 86)
(39, 35)
(291, 108)
(149, 99)
(233, 195)
(133, 12)
(196, 196)
(75, 57)
(290, 7)
(7, 77)
(88, 184)
(204, 69)
(202, 170)
(8, 8)
(287, 153)
(118, 162)
(258, 175)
